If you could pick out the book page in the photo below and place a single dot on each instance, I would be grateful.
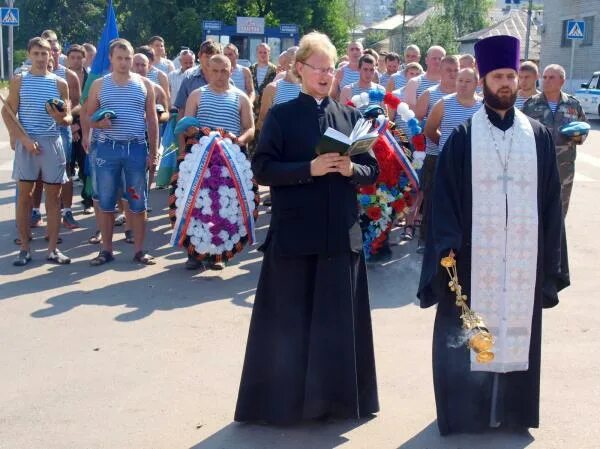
(337, 135)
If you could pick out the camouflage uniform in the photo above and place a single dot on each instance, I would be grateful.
(568, 110)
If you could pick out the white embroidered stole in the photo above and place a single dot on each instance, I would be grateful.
(504, 251)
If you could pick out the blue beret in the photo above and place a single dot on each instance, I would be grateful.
(575, 129)
(185, 123)
(102, 114)
(373, 111)
(57, 103)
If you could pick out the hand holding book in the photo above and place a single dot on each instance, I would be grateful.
(360, 140)
(331, 163)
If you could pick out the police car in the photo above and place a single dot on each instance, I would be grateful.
(589, 96)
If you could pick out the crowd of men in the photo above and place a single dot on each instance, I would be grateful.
(120, 153)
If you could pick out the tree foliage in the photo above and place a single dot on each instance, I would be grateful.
(178, 21)
(451, 20)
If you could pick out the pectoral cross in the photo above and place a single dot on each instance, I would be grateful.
(505, 178)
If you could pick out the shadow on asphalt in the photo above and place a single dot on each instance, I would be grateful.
(172, 287)
(429, 438)
(313, 435)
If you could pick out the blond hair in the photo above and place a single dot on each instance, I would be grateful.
(314, 42)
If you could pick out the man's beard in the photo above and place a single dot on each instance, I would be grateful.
(496, 102)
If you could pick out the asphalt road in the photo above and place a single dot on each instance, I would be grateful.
(124, 357)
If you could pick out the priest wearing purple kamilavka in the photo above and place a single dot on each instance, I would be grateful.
(496, 205)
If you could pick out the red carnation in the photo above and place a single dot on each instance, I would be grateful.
(349, 103)
(374, 213)
(368, 190)
(399, 205)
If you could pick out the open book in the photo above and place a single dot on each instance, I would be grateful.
(360, 140)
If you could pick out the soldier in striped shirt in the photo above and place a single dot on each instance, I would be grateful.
(39, 151)
(416, 86)
(240, 75)
(220, 105)
(122, 147)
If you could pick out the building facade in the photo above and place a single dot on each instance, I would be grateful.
(556, 48)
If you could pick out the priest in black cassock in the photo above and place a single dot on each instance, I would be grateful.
(496, 204)
(310, 347)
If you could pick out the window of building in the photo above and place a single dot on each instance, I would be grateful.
(564, 42)
(588, 36)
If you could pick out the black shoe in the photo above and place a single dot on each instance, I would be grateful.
(193, 264)
(267, 202)
(22, 259)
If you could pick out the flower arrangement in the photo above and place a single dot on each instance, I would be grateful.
(215, 200)
(383, 201)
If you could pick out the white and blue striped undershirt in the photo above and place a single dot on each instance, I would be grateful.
(399, 80)
(261, 72)
(424, 83)
(129, 104)
(349, 76)
(384, 78)
(435, 94)
(357, 90)
(285, 91)
(237, 76)
(162, 65)
(220, 110)
(61, 72)
(153, 75)
(399, 93)
(455, 114)
(34, 92)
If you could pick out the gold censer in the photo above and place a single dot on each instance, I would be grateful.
(480, 340)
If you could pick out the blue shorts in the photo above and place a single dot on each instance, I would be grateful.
(112, 160)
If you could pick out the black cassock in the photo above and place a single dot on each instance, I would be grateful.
(464, 397)
(310, 345)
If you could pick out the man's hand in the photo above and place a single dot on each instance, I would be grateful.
(344, 166)
(75, 131)
(105, 123)
(85, 143)
(59, 117)
(31, 145)
(325, 163)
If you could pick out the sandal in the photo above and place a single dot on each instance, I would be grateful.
(143, 258)
(95, 239)
(102, 258)
(58, 241)
(120, 220)
(408, 232)
(129, 236)
(22, 259)
(57, 257)
(17, 240)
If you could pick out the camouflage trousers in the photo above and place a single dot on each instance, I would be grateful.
(566, 171)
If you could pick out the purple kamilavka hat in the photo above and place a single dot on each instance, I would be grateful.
(497, 52)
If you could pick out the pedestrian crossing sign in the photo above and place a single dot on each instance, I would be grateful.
(575, 29)
(9, 16)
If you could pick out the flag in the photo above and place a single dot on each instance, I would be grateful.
(101, 64)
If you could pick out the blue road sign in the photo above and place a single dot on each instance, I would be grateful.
(575, 29)
(9, 16)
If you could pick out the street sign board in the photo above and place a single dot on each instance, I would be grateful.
(9, 16)
(250, 25)
(288, 28)
(575, 29)
(213, 25)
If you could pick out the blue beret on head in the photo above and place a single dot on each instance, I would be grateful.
(57, 103)
(497, 52)
(185, 123)
(575, 129)
(102, 114)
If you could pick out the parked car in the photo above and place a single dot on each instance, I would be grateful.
(589, 96)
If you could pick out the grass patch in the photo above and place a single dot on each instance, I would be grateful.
(4, 84)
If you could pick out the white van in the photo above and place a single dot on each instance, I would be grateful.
(589, 96)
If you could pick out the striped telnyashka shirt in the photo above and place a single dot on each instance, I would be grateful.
(129, 104)
(220, 110)
(455, 114)
(34, 92)
(285, 91)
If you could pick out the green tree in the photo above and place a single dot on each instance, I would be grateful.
(436, 30)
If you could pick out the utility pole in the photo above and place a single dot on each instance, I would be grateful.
(528, 34)
(401, 50)
(10, 45)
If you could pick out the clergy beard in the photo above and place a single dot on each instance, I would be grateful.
(496, 102)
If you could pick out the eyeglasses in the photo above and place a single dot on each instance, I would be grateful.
(323, 70)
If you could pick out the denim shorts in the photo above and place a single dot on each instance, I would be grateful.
(113, 160)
